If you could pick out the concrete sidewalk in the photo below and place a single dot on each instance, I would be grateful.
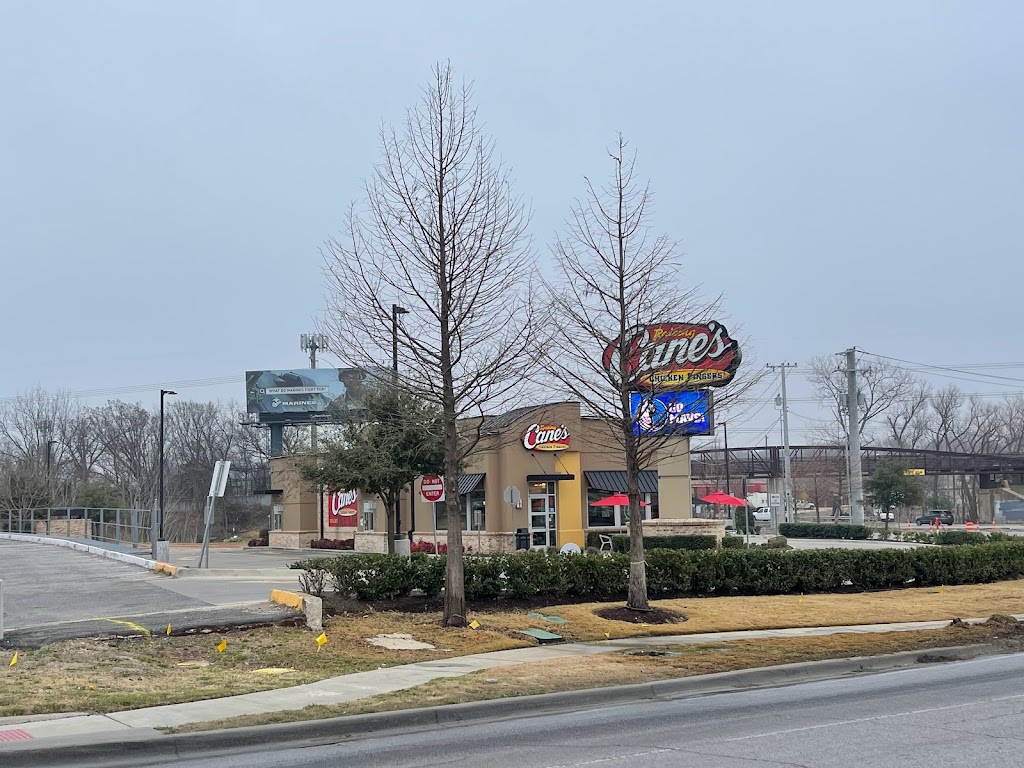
(363, 685)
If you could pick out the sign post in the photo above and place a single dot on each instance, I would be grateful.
(217, 486)
(432, 490)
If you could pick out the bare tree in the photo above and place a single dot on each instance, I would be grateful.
(881, 387)
(443, 235)
(129, 435)
(907, 421)
(614, 279)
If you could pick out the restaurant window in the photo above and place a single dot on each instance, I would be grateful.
(617, 516)
(472, 512)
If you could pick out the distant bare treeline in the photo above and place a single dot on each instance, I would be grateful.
(56, 452)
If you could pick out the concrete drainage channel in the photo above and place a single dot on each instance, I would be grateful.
(148, 747)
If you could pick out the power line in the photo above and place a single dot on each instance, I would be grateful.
(926, 366)
(137, 388)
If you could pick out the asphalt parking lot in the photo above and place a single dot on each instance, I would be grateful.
(44, 584)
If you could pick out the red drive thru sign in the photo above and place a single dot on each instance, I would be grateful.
(432, 488)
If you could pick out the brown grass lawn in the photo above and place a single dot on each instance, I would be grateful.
(116, 674)
(617, 668)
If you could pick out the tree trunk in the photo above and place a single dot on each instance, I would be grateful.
(637, 596)
(390, 503)
(455, 585)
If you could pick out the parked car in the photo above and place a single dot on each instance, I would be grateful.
(805, 505)
(881, 515)
(943, 516)
(763, 515)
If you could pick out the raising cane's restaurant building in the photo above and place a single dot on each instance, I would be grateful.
(537, 469)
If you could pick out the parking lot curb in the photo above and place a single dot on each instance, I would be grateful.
(110, 554)
(141, 749)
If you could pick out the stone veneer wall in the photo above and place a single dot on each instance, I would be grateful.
(371, 541)
(489, 543)
(80, 529)
(292, 539)
(685, 527)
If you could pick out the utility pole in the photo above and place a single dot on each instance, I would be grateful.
(853, 439)
(788, 482)
(312, 342)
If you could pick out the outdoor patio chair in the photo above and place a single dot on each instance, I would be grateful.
(606, 542)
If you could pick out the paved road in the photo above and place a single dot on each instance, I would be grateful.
(960, 714)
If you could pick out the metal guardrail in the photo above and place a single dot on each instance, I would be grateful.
(123, 527)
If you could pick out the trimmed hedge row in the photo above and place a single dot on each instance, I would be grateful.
(823, 531)
(620, 542)
(671, 572)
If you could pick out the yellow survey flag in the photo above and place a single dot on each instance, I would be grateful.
(14, 659)
(474, 624)
(320, 641)
(222, 646)
(168, 629)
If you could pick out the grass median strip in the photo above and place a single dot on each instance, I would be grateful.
(624, 668)
(109, 675)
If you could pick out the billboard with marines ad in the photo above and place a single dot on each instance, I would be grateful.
(675, 357)
(671, 413)
(341, 508)
(303, 395)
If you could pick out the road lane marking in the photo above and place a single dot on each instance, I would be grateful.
(874, 718)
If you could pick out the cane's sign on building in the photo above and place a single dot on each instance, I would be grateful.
(341, 509)
(672, 357)
(546, 437)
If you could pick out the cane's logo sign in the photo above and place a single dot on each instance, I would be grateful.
(675, 356)
(341, 508)
(546, 437)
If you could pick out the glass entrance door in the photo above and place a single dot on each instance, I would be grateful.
(543, 515)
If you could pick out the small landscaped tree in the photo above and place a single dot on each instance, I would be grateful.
(890, 488)
(383, 447)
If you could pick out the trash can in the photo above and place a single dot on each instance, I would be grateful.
(522, 538)
(402, 546)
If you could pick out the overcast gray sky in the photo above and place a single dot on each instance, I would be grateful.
(846, 173)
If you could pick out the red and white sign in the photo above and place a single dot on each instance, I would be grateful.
(341, 509)
(432, 488)
(546, 437)
(672, 357)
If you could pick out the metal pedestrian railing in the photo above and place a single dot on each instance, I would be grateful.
(129, 528)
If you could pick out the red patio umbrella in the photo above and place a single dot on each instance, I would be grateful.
(724, 498)
(617, 500)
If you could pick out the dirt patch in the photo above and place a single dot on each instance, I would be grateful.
(1001, 620)
(632, 616)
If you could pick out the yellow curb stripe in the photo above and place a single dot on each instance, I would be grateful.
(291, 599)
(167, 568)
(130, 625)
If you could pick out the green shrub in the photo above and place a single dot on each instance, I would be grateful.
(620, 543)
(733, 542)
(960, 537)
(823, 531)
(726, 571)
(428, 573)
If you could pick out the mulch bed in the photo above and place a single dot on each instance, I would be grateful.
(633, 616)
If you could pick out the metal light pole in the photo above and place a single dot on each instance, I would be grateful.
(49, 462)
(725, 433)
(163, 394)
(395, 312)
(787, 489)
